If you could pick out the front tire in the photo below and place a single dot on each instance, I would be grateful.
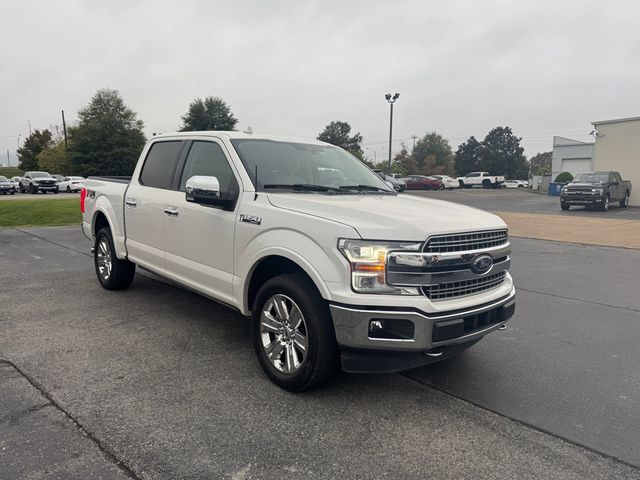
(113, 274)
(564, 206)
(293, 334)
(605, 203)
(68, 190)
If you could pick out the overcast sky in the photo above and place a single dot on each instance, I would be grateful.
(291, 67)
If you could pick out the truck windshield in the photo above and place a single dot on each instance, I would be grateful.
(289, 165)
(40, 175)
(591, 178)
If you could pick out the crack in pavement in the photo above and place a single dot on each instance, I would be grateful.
(106, 451)
(578, 300)
(521, 422)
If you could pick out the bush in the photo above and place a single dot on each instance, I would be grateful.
(564, 177)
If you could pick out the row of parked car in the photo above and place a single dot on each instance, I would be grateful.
(35, 182)
(442, 182)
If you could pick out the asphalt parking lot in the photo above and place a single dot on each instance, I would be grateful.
(49, 195)
(156, 382)
(522, 201)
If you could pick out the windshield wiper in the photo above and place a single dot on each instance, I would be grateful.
(364, 187)
(309, 187)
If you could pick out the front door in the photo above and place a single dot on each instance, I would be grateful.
(199, 239)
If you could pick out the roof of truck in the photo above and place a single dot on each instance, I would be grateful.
(231, 135)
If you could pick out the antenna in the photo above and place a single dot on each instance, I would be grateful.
(255, 197)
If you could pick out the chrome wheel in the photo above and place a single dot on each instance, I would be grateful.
(605, 206)
(103, 253)
(283, 332)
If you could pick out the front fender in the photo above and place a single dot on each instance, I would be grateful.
(309, 255)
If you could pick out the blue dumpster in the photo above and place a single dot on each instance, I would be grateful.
(555, 188)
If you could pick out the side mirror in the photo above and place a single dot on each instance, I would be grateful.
(203, 189)
(615, 183)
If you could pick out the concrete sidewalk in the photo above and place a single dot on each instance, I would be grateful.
(610, 232)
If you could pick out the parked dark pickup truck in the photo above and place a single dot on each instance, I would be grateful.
(596, 189)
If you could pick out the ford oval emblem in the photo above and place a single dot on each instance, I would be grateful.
(481, 264)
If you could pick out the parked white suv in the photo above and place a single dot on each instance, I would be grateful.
(333, 267)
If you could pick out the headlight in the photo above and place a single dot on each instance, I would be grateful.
(368, 261)
(597, 190)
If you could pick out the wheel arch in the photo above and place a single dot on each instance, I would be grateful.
(273, 264)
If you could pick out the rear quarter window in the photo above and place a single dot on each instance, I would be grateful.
(160, 165)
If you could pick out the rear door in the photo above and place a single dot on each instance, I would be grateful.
(200, 238)
(145, 201)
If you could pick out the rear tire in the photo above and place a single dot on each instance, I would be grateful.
(486, 184)
(113, 274)
(624, 203)
(289, 313)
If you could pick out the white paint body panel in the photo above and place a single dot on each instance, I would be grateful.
(214, 252)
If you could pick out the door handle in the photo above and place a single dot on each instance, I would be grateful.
(131, 202)
(171, 211)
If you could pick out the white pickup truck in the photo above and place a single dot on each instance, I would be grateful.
(483, 179)
(334, 268)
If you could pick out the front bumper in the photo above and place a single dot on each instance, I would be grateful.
(392, 339)
(582, 199)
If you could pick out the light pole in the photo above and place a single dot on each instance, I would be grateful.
(391, 99)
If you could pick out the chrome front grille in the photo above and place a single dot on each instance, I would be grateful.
(447, 290)
(466, 241)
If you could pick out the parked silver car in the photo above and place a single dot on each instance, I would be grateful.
(6, 187)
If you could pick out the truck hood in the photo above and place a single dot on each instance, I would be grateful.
(387, 217)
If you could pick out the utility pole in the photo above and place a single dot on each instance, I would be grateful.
(29, 121)
(414, 141)
(8, 162)
(64, 129)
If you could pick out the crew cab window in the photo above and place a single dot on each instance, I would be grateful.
(207, 158)
(160, 165)
(473, 175)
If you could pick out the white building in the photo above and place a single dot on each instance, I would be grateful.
(571, 156)
(618, 148)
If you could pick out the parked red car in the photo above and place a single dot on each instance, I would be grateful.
(422, 182)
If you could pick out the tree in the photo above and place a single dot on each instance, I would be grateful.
(33, 145)
(108, 138)
(436, 146)
(54, 159)
(541, 163)
(212, 113)
(337, 133)
(503, 155)
(403, 163)
(468, 156)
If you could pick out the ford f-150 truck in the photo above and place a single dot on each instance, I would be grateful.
(596, 189)
(334, 268)
(483, 179)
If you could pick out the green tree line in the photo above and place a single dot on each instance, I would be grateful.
(109, 137)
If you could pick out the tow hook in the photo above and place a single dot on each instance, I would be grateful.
(502, 327)
(433, 353)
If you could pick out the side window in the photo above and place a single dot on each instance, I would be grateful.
(207, 158)
(616, 177)
(160, 164)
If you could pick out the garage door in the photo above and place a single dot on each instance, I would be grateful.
(576, 165)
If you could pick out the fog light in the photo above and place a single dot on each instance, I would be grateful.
(375, 325)
(391, 329)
